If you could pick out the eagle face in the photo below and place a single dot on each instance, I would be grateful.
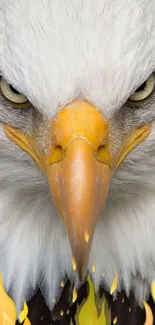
(77, 150)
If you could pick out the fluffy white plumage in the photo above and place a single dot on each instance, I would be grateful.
(53, 52)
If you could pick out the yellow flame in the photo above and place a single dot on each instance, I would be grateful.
(8, 313)
(74, 295)
(86, 236)
(6, 319)
(62, 313)
(27, 322)
(114, 284)
(74, 264)
(89, 313)
(149, 314)
(94, 267)
(115, 320)
(24, 313)
(153, 290)
(62, 283)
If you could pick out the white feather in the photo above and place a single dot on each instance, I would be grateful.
(54, 51)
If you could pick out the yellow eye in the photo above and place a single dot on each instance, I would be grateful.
(144, 91)
(11, 95)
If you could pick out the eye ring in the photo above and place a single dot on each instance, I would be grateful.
(144, 91)
(12, 96)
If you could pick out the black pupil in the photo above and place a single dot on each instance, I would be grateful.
(14, 90)
(142, 87)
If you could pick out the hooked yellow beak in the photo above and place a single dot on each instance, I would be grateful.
(79, 168)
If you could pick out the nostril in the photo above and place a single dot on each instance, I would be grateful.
(103, 153)
(101, 150)
(57, 154)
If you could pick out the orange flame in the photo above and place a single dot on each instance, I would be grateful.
(114, 284)
(8, 313)
(149, 315)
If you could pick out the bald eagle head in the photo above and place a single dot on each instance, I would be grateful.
(77, 154)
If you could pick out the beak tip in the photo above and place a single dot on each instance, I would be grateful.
(81, 275)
